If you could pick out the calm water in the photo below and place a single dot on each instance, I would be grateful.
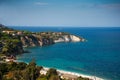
(99, 56)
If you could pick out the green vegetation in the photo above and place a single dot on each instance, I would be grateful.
(19, 71)
(9, 44)
(23, 71)
(52, 74)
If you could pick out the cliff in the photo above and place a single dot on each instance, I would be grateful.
(35, 40)
(69, 38)
(48, 38)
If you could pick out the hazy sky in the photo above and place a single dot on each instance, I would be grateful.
(81, 13)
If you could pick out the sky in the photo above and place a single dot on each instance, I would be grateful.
(75, 13)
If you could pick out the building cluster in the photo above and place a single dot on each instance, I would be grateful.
(10, 58)
(13, 32)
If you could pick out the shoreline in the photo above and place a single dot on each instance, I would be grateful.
(70, 73)
(64, 72)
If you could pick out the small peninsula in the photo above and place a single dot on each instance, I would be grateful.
(12, 41)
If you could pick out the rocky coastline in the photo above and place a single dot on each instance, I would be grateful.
(48, 39)
(12, 41)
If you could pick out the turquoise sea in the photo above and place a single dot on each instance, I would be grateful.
(99, 56)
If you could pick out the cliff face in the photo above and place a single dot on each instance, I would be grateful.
(35, 40)
(42, 40)
(30, 41)
(69, 38)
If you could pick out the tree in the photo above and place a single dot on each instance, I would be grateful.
(26, 74)
(43, 77)
(30, 70)
(12, 66)
(54, 77)
(32, 63)
(17, 75)
(1, 75)
(81, 78)
(21, 66)
(51, 72)
(4, 50)
(37, 71)
(3, 68)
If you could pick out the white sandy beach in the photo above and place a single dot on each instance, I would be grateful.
(76, 74)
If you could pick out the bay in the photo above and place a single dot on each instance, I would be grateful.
(99, 56)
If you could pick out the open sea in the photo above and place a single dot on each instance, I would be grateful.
(99, 56)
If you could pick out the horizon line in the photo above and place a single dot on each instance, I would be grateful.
(56, 26)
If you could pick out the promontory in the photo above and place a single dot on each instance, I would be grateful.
(12, 41)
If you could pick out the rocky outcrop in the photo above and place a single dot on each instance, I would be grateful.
(43, 40)
(69, 38)
(40, 38)
(35, 40)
